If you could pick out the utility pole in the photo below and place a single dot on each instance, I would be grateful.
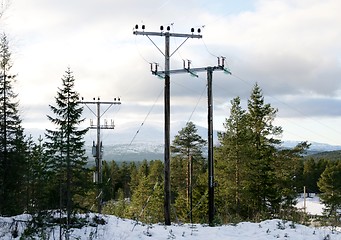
(97, 149)
(209, 70)
(167, 56)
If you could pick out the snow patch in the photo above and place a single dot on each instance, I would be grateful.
(117, 228)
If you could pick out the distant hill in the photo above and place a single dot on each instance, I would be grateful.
(148, 143)
(328, 155)
(140, 151)
(129, 152)
(314, 149)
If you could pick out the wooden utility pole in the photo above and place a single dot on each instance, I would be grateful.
(209, 71)
(211, 209)
(97, 149)
(167, 56)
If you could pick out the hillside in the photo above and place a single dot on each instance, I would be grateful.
(328, 155)
(130, 152)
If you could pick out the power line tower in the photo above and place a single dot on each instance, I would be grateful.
(97, 149)
(167, 56)
(192, 71)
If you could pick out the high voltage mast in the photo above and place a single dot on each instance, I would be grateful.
(167, 56)
(97, 149)
(193, 71)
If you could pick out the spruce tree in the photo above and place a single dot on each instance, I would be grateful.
(36, 188)
(65, 147)
(13, 162)
(264, 141)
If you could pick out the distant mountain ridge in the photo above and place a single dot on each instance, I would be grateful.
(152, 151)
(314, 148)
(314, 145)
(130, 152)
(147, 142)
(328, 155)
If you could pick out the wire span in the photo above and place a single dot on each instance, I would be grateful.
(138, 50)
(296, 110)
(143, 122)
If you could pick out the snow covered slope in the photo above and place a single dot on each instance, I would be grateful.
(121, 229)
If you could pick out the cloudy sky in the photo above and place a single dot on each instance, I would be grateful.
(291, 48)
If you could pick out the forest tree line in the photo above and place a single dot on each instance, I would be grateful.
(255, 178)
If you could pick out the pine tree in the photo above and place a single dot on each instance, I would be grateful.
(156, 181)
(312, 172)
(12, 139)
(255, 178)
(330, 186)
(232, 156)
(147, 197)
(110, 180)
(187, 164)
(288, 171)
(65, 147)
(124, 175)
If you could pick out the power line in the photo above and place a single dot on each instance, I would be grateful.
(209, 70)
(207, 49)
(97, 149)
(298, 111)
(286, 104)
(202, 94)
(143, 122)
(167, 35)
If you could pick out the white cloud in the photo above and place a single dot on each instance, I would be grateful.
(291, 48)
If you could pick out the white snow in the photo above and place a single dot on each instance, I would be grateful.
(313, 205)
(124, 229)
(121, 229)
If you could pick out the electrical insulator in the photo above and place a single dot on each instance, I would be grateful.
(94, 149)
(94, 177)
(222, 63)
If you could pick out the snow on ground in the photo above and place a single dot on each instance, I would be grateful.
(313, 205)
(122, 229)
